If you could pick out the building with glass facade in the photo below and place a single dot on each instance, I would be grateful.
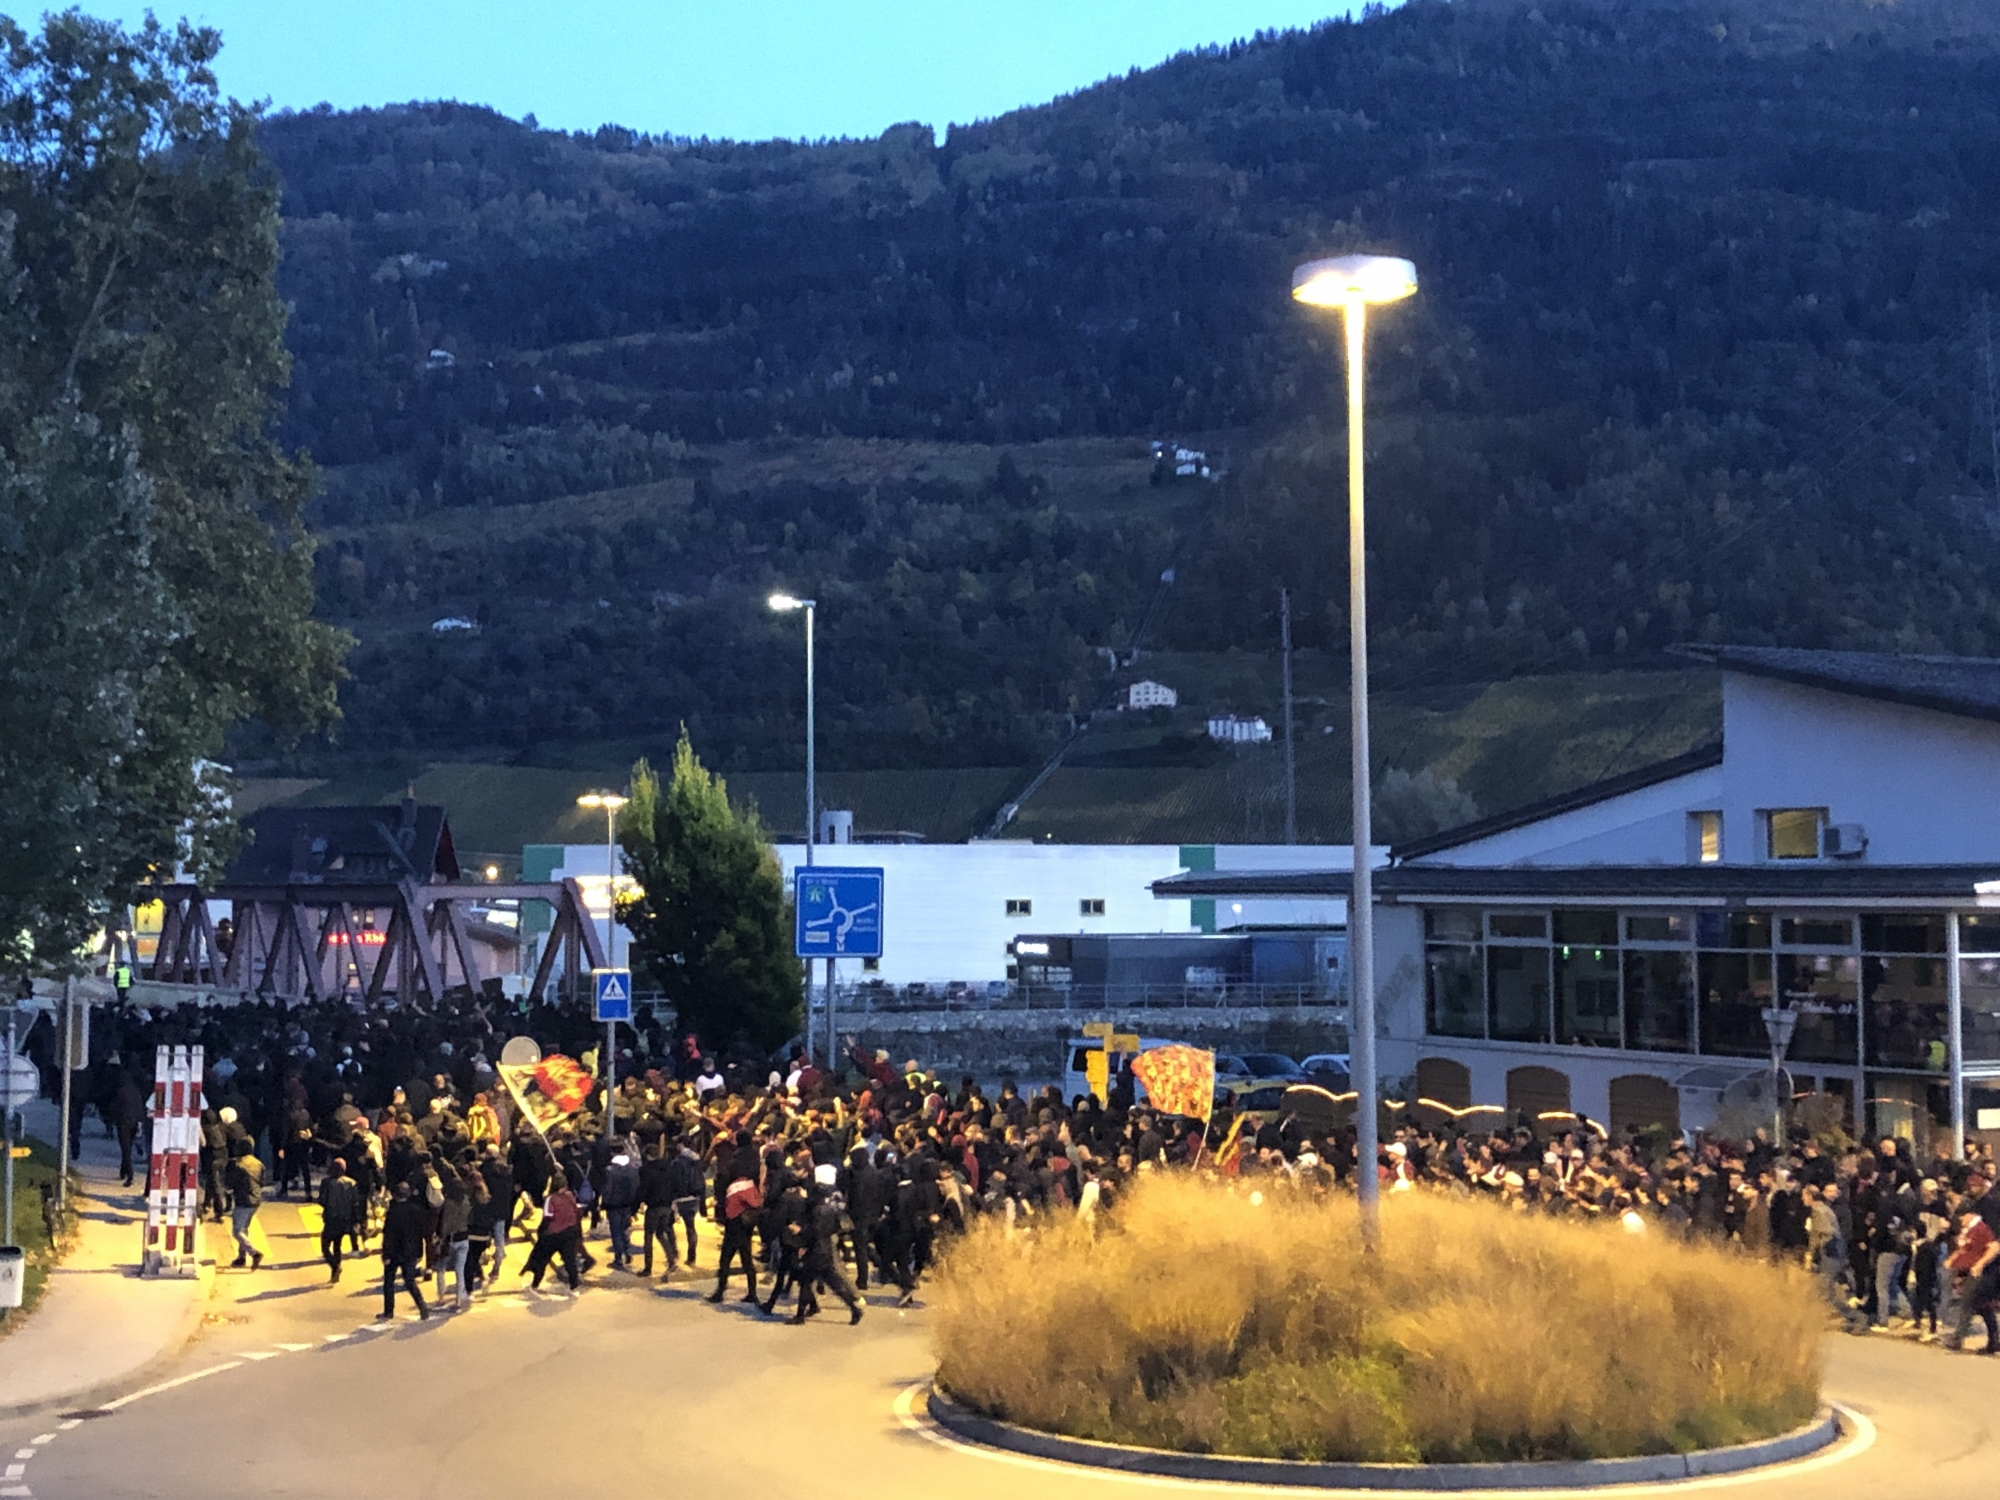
(1621, 951)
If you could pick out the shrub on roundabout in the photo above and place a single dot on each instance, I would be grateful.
(1202, 1321)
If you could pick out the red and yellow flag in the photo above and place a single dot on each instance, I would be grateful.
(1178, 1080)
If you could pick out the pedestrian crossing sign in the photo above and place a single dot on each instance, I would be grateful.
(613, 989)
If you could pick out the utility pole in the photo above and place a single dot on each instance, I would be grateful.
(1291, 760)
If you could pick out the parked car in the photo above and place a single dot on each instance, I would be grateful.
(1261, 1099)
(1274, 1065)
(1230, 1065)
(1329, 1070)
(1076, 1062)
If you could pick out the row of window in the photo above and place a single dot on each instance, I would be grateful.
(1023, 906)
(1868, 992)
(1782, 833)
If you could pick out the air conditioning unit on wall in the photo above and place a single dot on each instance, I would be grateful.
(1846, 841)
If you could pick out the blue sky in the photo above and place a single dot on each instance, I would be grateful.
(746, 69)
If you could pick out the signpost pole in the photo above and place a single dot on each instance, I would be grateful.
(68, 1092)
(8, 1237)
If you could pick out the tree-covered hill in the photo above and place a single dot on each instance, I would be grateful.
(1698, 355)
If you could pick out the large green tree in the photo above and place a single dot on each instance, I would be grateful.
(712, 926)
(157, 580)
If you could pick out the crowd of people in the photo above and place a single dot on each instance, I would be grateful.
(788, 1183)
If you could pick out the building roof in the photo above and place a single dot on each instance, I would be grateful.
(1705, 758)
(345, 846)
(1795, 885)
(1965, 685)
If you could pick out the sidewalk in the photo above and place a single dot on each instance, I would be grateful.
(100, 1328)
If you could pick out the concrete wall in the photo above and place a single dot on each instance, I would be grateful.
(1029, 1045)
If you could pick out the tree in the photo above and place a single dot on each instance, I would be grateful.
(1415, 806)
(712, 926)
(161, 582)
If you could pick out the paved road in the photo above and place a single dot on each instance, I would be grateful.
(289, 1392)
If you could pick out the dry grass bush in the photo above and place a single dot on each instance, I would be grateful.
(1199, 1322)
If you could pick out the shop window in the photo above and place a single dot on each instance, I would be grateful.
(1587, 994)
(1659, 1000)
(1734, 988)
(1809, 930)
(1454, 1001)
(1517, 994)
(1979, 995)
(1903, 932)
(1793, 832)
(1733, 929)
(1905, 1019)
(1825, 990)
(1667, 927)
(1591, 929)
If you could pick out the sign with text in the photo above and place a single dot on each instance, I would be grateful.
(839, 913)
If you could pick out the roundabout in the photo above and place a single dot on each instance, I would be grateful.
(291, 1390)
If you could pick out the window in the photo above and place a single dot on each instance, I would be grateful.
(1793, 832)
(1676, 928)
(1518, 926)
(1659, 999)
(1091, 906)
(1517, 994)
(1825, 990)
(1735, 988)
(1704, 838)
(1020, 906)
(1454, 1005)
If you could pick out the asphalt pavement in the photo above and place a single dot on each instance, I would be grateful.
(291, 1389)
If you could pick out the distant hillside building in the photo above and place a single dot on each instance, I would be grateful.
(1233, 730)
(1147, 694)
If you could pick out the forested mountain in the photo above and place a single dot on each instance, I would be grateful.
(1698, 355)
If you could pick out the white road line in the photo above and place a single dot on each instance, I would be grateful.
(24, 1453)
(261, 1354)
(17, 1492)
(47, 1437)
(1861, 1439)
(72, 1422)
(334, 1338)
(168, 1385)
(15, 1471)
(294, 1348)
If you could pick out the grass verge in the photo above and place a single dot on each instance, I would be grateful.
(30, 1232)
(1199, 1322)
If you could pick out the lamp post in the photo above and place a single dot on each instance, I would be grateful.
(1779, 1023)
(1353, 283)
(610, 802)
(785, 604)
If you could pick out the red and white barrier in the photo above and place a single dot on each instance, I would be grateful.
(173, 1175)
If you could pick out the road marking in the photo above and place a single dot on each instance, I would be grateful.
(1862, 1438)
(294, 1348)
(71, 1422)
(15, 1471)
(168, 1385)
(261, 1354)
(24, 1453)
(16, 1490)
(47, 1437)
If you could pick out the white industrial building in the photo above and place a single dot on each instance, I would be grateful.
(1834, 860)
(952, 911)
(1147, 694)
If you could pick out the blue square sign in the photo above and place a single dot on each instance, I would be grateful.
(613, 990)
(839, 913)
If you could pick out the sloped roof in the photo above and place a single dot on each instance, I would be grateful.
(1701, 759)
(346, 846)
(1964, 685)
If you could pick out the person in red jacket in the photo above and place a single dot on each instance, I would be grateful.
(561, 1234)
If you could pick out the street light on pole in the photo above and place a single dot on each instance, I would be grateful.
(1353, 283)
(785, 604)
(610, 802)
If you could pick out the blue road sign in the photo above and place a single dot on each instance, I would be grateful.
(613, 989)
(839, 913)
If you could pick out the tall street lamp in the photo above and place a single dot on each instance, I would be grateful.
(1353, 283)
(785, 604)
(610, 802)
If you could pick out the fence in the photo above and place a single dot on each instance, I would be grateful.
(959, 996)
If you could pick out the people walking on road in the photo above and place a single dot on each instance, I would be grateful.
(340, 1211)
(246, 1192)
(402, 1248)
(561, 1234)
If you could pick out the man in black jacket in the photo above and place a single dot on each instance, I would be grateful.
(340, 1209)
(404, 1230)
(687, 1185)
(620, 1192)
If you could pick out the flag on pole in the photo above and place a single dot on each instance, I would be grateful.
(1179, 1080)
(549, 1091)
(1229, 1155)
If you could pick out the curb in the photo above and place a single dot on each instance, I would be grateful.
(84, 1398)
(1577, 1474)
